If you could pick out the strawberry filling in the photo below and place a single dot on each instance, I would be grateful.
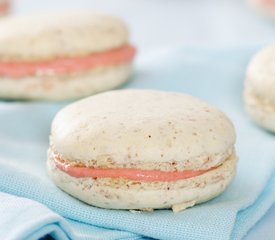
(68, 65)
(128, 173)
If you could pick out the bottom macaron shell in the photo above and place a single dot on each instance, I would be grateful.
(126, 194)
(262, 113)
(54, 87)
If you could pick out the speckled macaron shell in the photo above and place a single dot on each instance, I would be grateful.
(260, 88)
(145, 129)
(61, 34)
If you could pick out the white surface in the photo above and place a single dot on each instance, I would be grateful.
(210, 23)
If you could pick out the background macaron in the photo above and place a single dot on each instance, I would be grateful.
(264, 7)
(63, 55)
(4, 7)
(260, 88)
(142, 149)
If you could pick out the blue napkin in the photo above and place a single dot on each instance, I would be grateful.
(213, 75)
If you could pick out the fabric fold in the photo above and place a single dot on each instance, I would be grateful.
(22, 218)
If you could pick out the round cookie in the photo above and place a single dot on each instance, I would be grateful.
(264, 7)
(62, 55)
(260, 88)
(142, 149)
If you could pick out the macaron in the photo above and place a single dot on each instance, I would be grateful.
(264, 7)
(260, 88)
(63, 55)
(4, 7)
(142, 149)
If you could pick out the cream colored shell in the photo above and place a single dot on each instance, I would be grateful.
(260, 88)
(67, 86)
(136, 128)
(107, 193)
(60, 34)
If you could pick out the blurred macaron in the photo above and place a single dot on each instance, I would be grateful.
(63, 55)
(259, 92)
(264, 7)
(5, 6)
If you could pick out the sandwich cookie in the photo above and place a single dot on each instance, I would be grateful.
(260, 88)
(142, 149)
(264, 7)
(63, 55)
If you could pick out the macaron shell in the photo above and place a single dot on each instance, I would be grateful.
(260, 87)
(262, 113)
(142, 126)
(61, 34)
(66, 86)
(260, 80)
(178, 195)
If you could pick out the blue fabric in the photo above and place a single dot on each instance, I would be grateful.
(214, 75)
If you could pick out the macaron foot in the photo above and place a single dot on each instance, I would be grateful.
(182, 206)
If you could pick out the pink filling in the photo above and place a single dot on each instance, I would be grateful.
(128, 173)
(68, 65)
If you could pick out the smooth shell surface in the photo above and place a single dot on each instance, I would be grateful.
(135, 128)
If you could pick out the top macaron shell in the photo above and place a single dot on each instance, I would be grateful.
(59, 35)
(139, 127)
